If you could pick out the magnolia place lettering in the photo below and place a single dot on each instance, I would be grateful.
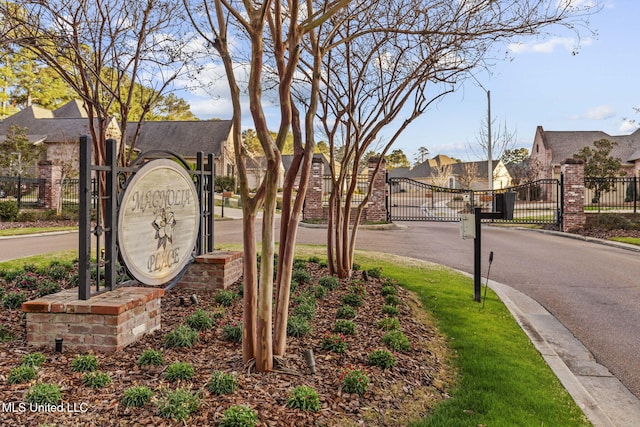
(159, 199)
(163, 259)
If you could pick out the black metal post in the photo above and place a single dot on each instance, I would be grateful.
(19, 193)
(477, 250)
(84, 235)
(635, 194)
(111, 216)
(211, 193)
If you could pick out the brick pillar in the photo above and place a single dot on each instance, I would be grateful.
(52, 176)
(573, 194)
(376, 208)
(313, 200)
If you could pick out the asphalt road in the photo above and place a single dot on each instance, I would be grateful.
(592, 289)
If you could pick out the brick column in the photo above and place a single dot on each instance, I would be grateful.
(573, 215)
(376, 208)
(52, 176)
(313, 200)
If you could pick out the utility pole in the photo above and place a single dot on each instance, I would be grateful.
(489, 140)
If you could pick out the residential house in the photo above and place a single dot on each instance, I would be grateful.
(551, 148)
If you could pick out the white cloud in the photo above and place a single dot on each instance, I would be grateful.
(628, 126)
(601, 112)
(548, 46)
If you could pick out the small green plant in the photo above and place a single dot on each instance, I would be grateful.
(217, 313)
(344, 326)
(314, 259)
(390, 310)
(396, 340)
(305, 310)
(355, 381)
(304, 398)
(21, 374)
(323, 264)
(199, 320)
(354, 300)
(225, 297)
(150, 357)
(96, 379)
(137, 396)
(388, 290)
(232, 332)
(33, 359)
(47, 288)
(345, 312)
(239, 416)
(334, 342)
(298, 326)
(177, 404)
(375, 272)
(222, 383)
(304, 298)
(13, 299)
(301, 276)
(355, 266)
(388, 323)
(319, 291)
(383, 359)
(329, 282)
(57, 271)
(299, 264)
(84, 363)
(357, 287)
(44, 394)
(182, 336)
(8, 210)
(179, 371)
(5, 334)
(27, 280)
(393, 300)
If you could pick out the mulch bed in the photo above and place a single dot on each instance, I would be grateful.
(405, 392)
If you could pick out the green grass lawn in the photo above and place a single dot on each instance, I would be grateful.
(502, 380)
(32, 230)
(629, 240)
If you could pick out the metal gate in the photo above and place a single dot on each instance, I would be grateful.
(538, 202)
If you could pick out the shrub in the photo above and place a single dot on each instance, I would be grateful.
(393, 300)
(329, 282)
(13, 299)
(344, 326)
(44, 394)
(314, 259)
(179, 371)
(305, 310)
(388, 290)
(96, 379)
(323, 264)
(5, 334)
(298, 326)
(33, 359)
(375, 272)
(217, 313)
(355, 266)
(388, 324)
(57, 271)
(84, 363)
(319, 291)
(304, 298)
(334, 342)
(301, 276)
(239, 416)
(382, 359)
(21, 374)
(396, 340)
(299, 264)
(151, 357)
(30, 267)
(8, 210)
(177, 404)
(137, 396)
(390, 310)
(199, 320)
(346, 312)
(305, 398)
(47, 288)
(232, 332)
(182, 336)
(358, 288)
(222, 383)
(27, 280)
(355, 381)
(225, 297)
(354, 300)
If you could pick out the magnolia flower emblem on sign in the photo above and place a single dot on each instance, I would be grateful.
(163, 224)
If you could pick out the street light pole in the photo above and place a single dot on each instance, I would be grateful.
(489, 153)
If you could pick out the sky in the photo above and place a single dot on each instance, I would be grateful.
(543, 83)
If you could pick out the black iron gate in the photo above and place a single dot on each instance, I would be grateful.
(538, 202)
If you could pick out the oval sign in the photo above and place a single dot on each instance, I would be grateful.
(158, 222)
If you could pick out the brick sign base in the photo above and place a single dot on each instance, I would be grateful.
(106, 322)
(215, 270)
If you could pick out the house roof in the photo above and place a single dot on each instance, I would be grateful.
(72, 110)
(426, 170)
(564, 144)
(53, 129)
(287, 159)
(184, 137)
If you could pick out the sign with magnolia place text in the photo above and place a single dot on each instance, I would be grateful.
(158, 222)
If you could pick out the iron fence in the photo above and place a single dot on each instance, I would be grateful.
(26, 192)
(362, 187)
(616, 195)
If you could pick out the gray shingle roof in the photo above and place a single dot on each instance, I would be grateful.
(183, 137)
